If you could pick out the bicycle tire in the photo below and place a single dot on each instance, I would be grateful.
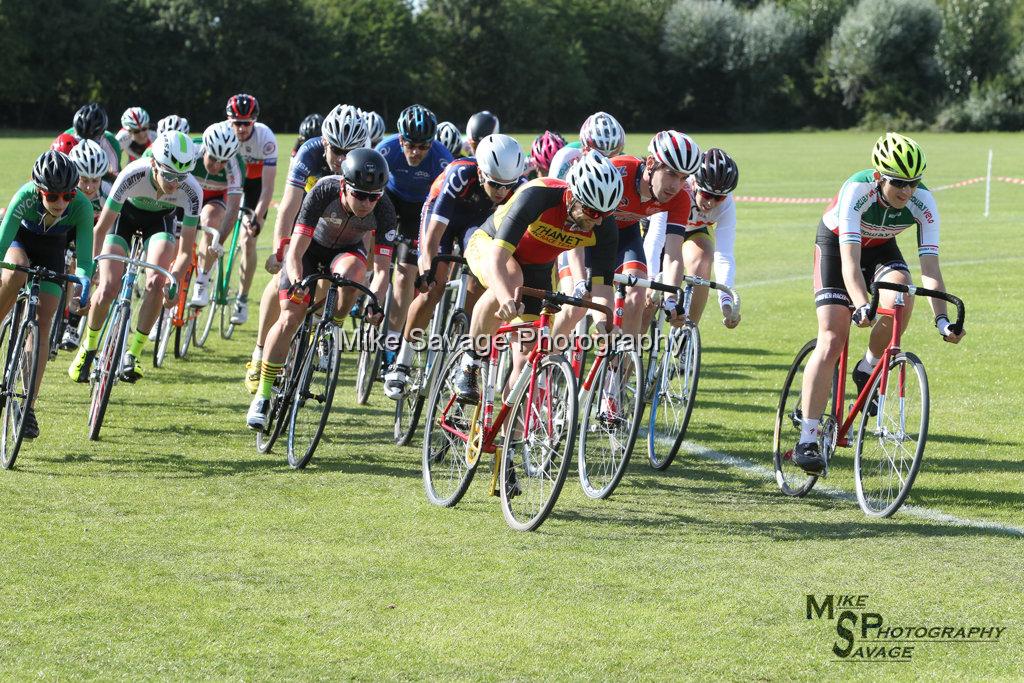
(298, 456)
(185, 335)
(410, 404)
(447, 466)
(23, 367)
(673, 400)
(370, 358)
(280, 401)
(208, 315)
(792, 480)
(106, 370)
(163, 337)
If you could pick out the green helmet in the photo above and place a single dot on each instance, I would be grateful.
(898, 156)
(175, 151)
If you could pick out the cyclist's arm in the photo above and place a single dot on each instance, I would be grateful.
(603, 263)
(296, 250)
(654, 242)
(931, 278)
(12, 220)
(83, 238)
(287, 210)
(849, 253)
(230, 215)
(382, 243)
(725, 243)
(266, 193)
(431, 241)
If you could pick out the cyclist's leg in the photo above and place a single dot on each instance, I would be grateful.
(109, 274)
(49, 298)
(632, 261)
(247, 265)
(212, 215)
(160, 250)
(566, 319)
(350, 265)
(11, 281)
(698, 256)
(895, 271)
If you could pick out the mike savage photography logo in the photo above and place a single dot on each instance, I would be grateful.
(867, 636)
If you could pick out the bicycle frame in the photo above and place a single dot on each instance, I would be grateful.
(224, 270)
(180, 316)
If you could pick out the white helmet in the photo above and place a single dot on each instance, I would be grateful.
(499, 157)
(90, 159)
(375, 124)
(602, 132)
(175, 151)
(220, 141)
(172, 122)
(595, 182)
(346, 128)
(135, 118)
(676, 150)
(448, 135)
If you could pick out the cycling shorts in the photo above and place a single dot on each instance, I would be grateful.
(829, 288)
(160, 224)
(479, 247)
(43, 251)
(630, 255)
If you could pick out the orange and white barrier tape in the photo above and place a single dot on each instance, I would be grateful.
(820, 200)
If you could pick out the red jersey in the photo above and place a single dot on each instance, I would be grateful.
(631, 209)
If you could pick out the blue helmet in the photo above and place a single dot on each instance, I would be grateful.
(417, 124)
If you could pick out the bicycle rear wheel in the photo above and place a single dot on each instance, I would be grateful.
(19, 383)
(891, 444)
(163, 337)
(104, 373)
(371, 355)
(184, 335)
(280, 399)
(314, 393)
(448, 462)
(672, 399)
(538, 445)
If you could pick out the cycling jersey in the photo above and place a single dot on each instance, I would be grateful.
(24, 219)
(457, 200)
(101, 197)
(858, 216)
(108, 142)
(412, 183)
(309, 165)
(258, 151)
(631, 209)
(563, 159)
(135, 184)
(534, 225)
(133, 150)
(325, 220)
(218, 185)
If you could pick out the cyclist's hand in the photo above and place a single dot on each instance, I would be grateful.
(603, 327)
(730, 318)
(170, 293)
(581, 290)
(217, 248)
(509, 310)
(860, 316)
(251, 225)
(424, 281)
(297, 294)
(273, 266)
(943, 325)
(672, 312)
(374, 314)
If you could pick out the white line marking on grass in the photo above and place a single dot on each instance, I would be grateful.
(928, 514)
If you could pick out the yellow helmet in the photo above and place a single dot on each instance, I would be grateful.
(898, 156)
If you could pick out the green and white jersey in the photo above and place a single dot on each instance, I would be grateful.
(26, 213)
(108, 141)
(227, 181)
(136, 185)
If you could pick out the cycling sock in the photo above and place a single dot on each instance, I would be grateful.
(257, 355)
(138, 341)
(809, 430)
(405, 354)
(268, 373)
(871, 360)
(243, 298)
(92, 338)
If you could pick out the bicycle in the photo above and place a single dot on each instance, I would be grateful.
(540, 410)
(116, 330)
(673, 371)
(21, 346)
(182, 315)
(222, 298)
(310, 375)
(447, 325)
(60, 318)
(898, 429)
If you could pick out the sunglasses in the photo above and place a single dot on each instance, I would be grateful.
(421, 146)
(241, 124)
(54, 196)
(172, 177)
(339, 151)
(501, 186)
(713, 196)
(899, 183)
(365, 196)
(593, 214)
(136, 131)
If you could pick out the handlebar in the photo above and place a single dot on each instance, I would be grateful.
(446, 258)
(634, 281)
(702, 282)
(47, 274)
(172, 281)
(956, 328)
(336, 280)
(559, 298)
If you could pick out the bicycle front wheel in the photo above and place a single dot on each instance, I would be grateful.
(205, 326)
(163, 337)
(281, 396)
(19, 383)
(538, 445)
(410, 404)
(104, 373)
(792, 480)
(184, 335)
(673, 397)
(449, 429)
(314, 393)
(370, 358)
(890, 445)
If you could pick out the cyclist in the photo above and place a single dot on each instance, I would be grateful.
(415, 158)
(479, 126)
(600, 131)
(343, 131)
(448, 135)
(172, 122)
(144, 199)
(308, 129)
(34, 232)
(519, 242)
(375, 124)
(708, 235)
(333, 224)
(855, 246)
(219, 172)
(461, 198)
(259, 151)
(90, 123)
(64, 143)
(543, 150)
(135, 136)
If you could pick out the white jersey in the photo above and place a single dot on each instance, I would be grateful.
(124, 138)
(259, 150)
(720, 223)
(563, 159)
(135, 185)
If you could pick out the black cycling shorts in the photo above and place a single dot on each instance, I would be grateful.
(829, 288)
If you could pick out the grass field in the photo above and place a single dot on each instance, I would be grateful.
(171, 549)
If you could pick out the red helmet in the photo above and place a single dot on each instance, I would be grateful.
(64, 142)
(242, 106)
(545, 146)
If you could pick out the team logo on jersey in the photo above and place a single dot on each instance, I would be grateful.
(391, 235)
(269, 148)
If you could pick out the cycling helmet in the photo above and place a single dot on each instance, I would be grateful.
(417, 124)
(310, 126)
(365, 169)
(375, 124)
(500, 158)
(64, 142)
(242, 107)
(602, 132)
(135, 118)
(676, 150)
(345, 127)
(545, 146)
(448, 135)
(595, 182)
(90, 159)
(482, 124)
(898, 156)
(90, 121)
(717, 173)
(55, 172)
(220, 141)
(175, 151)
(172, 123)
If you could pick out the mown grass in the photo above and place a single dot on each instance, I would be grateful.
(171, 549)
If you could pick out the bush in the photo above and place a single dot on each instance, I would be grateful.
(976, 43)
(768, 66)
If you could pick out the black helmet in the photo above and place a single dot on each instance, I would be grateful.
(482, 124)
(243, 107)
(717, 173)
(365, 169)
(55, 172)
(417, 124)
(310, 126)
(90, 121)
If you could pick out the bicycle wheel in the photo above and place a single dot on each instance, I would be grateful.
(314, 392)
(410, 404)
(19, 383)
(59, 324)
(280, 399)
(448, 462)
(609, 421)
(371, 355)
(792, 480)
(672, 400)
(227, 328)
(184, 335)
(104, 373)
(208, 315)
(163, 337)
(538, 445)
(891, 444)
